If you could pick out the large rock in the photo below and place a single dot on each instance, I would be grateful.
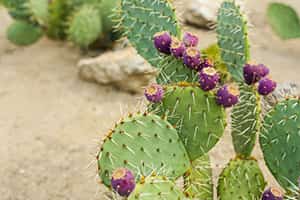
(121, 68)
(202, 13)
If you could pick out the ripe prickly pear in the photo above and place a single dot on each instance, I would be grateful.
(266, 86)
(272, 194)
(190, 40)
(253, 73)
(162, 42)
(154, 93)
(123, 182)
(191, 58)
(177, 48)
(228, 95)
(208, 78)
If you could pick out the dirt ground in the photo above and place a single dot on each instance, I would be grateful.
(51, 122)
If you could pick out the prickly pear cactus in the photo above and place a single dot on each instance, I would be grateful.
(141, 20)
(241, 179)
(144, 143)
(280, 142)
(85, 26)
(233, 38)
(22, 33)
(198, 183)
(198, 119)
(83, 22)
(245, 121)
(158, 188)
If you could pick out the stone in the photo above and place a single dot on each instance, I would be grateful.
(121, 68)
(202, 13)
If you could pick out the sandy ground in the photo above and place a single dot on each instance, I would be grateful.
(51, 122)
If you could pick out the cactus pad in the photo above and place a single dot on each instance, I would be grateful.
(39, 10)
(241, 179)
(85, 26)
(22, 33)
(233, 38)
(245, 121)
(156, 188)
(280, 142)
(198, 180)
(199, 120)
(144, 144)
(17, 9)
(141, 20)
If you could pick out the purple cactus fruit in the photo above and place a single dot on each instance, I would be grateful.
(228, 95)
(123, 182)
(263, 70)
(208, 78)
(154, 93)
(190, 40)
(191, 58)
(253, 73)
(162, 42)
(205, 63)
(266, 86)
(272, 194)
(177, 48)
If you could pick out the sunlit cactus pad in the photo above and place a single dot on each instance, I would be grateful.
(198, 183)
(156, 188)
(280, 142)
(233, 38)
(245, 121)
(143, 143)
(200, 122)
(241, 179)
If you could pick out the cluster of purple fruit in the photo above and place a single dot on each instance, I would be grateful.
(187, 51)
(258, 74)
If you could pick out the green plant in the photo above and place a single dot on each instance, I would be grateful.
(85, 23)
(23, 33)
(183, 121)
(284, 20)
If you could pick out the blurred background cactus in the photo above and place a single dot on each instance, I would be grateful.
(185, 117)
(284, 20)
(85, 23)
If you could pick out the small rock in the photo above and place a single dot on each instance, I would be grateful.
(122, 68)
(202, 13)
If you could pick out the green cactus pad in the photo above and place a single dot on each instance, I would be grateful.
(17, 9)
(241, 179)
(144, 144)
(58, 15)
(140, 21)
(85, 26)
(245, 120)
(280, 142)
(156, 188)
(200, 122)
(198, 180)
(22, 33)
(38, 10)
(233, 38)
(284, 20)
